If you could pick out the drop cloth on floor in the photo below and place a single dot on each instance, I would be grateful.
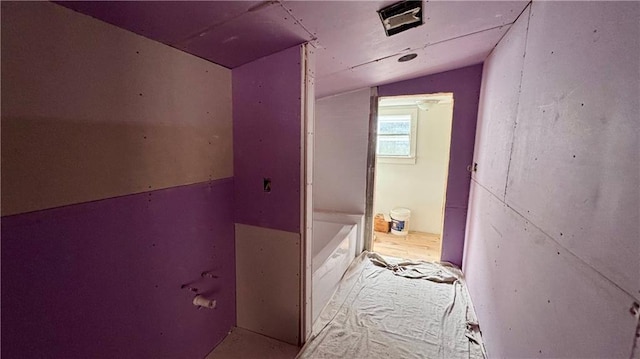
(386, 308)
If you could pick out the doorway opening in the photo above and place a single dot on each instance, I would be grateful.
(413, 137)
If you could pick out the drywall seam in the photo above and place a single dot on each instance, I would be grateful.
(574, 167)
(421, 48)
(465, 35)
(516, 292)
(515, 122)
(92, 111)
(149, 193)
(189, 38)
(582, 261)
(510, 24)
(346, 93)
(314, 39)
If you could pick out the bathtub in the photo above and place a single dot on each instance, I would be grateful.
(334, 244)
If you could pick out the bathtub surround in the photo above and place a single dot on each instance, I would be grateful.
(340, 160)
(116, 190)
(337, 239)
(552, 248)
(334, 248)
(344, 218)
(340, 163)
(268, 114)
(465, 85)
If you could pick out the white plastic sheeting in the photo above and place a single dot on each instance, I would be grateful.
(389, 309)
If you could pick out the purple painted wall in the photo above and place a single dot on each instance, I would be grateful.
(266, 140)
(93, 119)
(102, 279)
(465, 85)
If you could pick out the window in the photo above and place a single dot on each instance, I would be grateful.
(396, 141)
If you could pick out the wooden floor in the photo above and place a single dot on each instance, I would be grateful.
(415, 245)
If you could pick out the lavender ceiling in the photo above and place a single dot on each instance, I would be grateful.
(352, 49)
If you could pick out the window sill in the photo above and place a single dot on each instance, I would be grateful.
(397, 160)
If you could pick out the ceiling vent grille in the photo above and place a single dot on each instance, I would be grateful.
(401, 16)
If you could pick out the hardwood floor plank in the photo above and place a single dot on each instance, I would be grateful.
(415, 245)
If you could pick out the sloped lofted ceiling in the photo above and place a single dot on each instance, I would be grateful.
(352, 49)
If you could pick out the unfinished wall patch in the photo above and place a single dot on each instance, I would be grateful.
(268, 285)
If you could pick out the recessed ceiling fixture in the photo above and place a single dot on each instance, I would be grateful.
(401, 16)
(407, 57)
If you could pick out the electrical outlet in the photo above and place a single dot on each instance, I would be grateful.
(266, 185)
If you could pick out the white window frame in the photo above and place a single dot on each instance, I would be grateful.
(401, 110)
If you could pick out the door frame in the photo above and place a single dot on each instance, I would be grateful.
(307, 118)
(371, 163)
(371, 169)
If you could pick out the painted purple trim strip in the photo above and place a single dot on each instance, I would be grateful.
(465, 85)
(266, 140)
(102, 279)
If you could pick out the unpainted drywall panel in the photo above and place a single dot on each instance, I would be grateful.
(268, 281)
(267, 133)
(499, 107)
(341, 143)
(52, 163)
(91, 111)
(575, 167)
(533, 297)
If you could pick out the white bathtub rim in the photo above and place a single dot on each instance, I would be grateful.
(324, 254)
